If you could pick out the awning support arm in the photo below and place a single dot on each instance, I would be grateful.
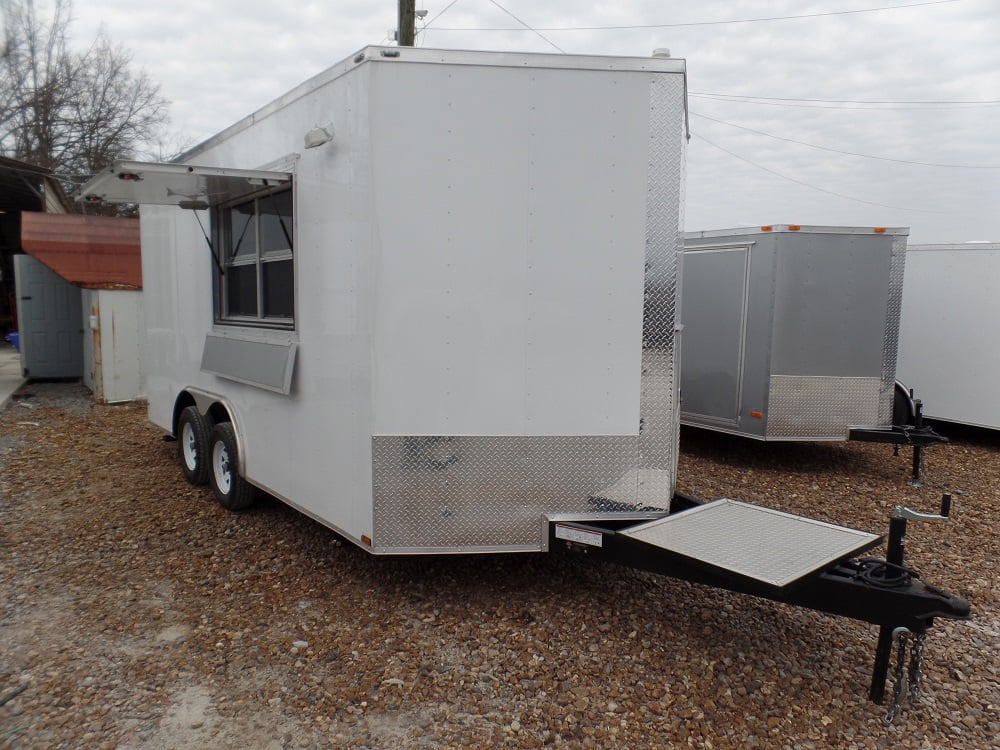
(239, 242)
(211, 249)
(281, 221)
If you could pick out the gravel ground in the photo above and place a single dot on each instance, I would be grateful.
(138, 614)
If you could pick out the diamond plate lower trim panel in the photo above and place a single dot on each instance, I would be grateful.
(821, 408)
(479, 493)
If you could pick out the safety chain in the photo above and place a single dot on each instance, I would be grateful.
(907, 677)
(916, 666)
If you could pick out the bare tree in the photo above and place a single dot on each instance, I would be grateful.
(72, 112)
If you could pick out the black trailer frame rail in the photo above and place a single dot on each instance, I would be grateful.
(872, 590)
(908, 429)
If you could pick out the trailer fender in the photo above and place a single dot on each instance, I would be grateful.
(904, 411)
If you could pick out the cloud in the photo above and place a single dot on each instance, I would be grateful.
(219, 62)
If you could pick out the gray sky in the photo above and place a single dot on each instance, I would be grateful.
(218, 61)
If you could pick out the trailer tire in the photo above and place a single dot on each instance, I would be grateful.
(231, 490)
(192, 445)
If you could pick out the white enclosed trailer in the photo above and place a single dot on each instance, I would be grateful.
(422, 314)
(948, 331)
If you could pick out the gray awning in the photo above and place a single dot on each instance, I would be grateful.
(176, 184)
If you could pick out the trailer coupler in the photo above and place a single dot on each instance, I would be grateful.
(918, 435)
(868, 589)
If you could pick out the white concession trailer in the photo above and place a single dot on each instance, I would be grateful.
(421, 315)
(949, 330)
(427, 298)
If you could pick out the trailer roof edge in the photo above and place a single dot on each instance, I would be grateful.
(382, 54)
(793, 228)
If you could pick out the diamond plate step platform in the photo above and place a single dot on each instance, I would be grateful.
(766, 545)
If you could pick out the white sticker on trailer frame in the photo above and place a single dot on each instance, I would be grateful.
(571, 534)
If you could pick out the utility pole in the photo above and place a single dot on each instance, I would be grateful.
(407, 23)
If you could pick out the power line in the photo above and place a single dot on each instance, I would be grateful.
(714, 23)
(526, 26)
(446, 9)
(873, 108)
(806, 184)
(846, 153)
(843, 101)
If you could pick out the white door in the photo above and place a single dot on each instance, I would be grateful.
(50, 321)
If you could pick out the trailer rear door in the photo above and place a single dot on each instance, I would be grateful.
(714, 316)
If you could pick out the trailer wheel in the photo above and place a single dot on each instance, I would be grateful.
(231, 490)
(192, 445)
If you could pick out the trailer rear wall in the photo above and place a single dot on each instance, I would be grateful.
(790, 332)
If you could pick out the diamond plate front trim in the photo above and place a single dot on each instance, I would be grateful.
(664, 244)
(891, 341)
(465, 494)
(766, 545)
(807, 407)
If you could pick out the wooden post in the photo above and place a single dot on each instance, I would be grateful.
(407, 23)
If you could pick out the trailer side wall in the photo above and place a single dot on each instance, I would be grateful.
(947, 348)
(477, 254)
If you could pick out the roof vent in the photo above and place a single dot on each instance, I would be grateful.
(661, 52)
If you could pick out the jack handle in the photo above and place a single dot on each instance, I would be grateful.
(908, 514)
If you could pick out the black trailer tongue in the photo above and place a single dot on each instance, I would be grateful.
(786, 558)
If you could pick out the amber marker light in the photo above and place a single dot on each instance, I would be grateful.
(879, 230)
(794, 227)
(757, 414)
(766, 228)
(366, 540)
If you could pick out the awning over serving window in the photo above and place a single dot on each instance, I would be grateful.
(176, 184)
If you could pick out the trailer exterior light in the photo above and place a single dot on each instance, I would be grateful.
(766, 228)
(794, 227)
(757, 414)
(366, 540)
(879, 230)
(318, 136)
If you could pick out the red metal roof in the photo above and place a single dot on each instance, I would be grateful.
(94, 252)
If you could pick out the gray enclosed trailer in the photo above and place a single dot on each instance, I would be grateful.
(789, 333)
